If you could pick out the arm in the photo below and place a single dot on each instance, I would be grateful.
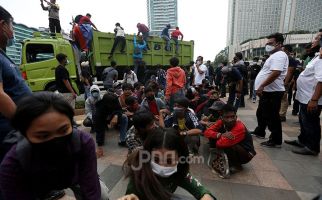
(135, 78)
(10, 108)
(199, 70)
(89, 182)
(169, 86)
(313, 103)
(194, 187)
(13, 185)
(181, 36)
(214, 130)
(88, 110)
(42, 6)
(69, 86)
(289, 75)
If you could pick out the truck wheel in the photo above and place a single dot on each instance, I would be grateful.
(51, 87)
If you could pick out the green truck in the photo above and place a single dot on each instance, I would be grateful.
(39, 62)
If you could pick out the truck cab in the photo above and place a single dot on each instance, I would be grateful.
(38, 61)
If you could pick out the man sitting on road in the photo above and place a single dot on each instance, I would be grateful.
(233, 141)
(151, 103)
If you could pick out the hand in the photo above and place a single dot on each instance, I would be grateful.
(183, 133)
(203, 122)
(156, 117)
(228, 135)
(128, 113)
(164, 111)
(312, 106)
(207, 197)
(74, 95)
(238, 94)
(114, 121)
(129, 197)
(259, 91)
(99, 152)
(196, 98)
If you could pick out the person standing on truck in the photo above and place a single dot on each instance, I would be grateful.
(63, 82)
(175, 36)
(110, 76)
(119, 38)
(12, 85)
(53, 9)
(137, 54)
(87, 20)
(142, 28)
(165, 36)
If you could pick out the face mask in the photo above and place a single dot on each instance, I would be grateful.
(150, 98)
(163, 171)
(95, 94)
(54, 148)
(269, 48)
(178, 111)
(11, 41)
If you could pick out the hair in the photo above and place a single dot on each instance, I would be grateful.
(130, 100)
(127, 69)
(279, 38)
(228, 108)
(256, 59)
(137, 85)
(177, 28)
(60, 57)
(168, 26)
(224, 63)
(157, 139)
(288, 48)
(148, 89)
(5, 15)
(117, 24)
(174, 61)
(127, 86)
(33, 106)
(113, 63)
(239, 55)
(183, 101)
(200, 57)
(320, 30)
(142, 118)
(88, 15)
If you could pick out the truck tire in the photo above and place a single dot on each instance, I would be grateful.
(51, 87)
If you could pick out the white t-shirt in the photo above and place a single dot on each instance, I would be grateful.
(199, 77)
(308, 80)
(119, 32)
(279, 62)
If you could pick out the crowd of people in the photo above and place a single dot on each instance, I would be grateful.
(162, 116)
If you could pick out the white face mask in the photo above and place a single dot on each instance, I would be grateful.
(163, 171)
(269, 48)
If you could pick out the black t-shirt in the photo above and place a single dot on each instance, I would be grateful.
(61, 74)
(86, 74)
(292, 62)
(254, 70)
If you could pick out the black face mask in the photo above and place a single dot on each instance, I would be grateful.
(55, 148)
(150, 98)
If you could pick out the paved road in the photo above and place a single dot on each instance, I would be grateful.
(274, 174)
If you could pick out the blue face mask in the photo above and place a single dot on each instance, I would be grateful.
(95, 94)
(11, 41)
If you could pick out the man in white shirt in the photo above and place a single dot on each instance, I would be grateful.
(309, 94)
(119, 38)
(269, 86)
(200, 71)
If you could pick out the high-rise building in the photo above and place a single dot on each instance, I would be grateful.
(21, 32)
(252, 19)
(161, 13)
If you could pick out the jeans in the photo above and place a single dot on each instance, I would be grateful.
(176, 41)
(145, 38)
(296, 104)
(268, 115)
(117, 40)
(123, 127)
(310, 134)
(252, 92)
(87, 92)
(232, 99)
(54, 25)
(167, 39)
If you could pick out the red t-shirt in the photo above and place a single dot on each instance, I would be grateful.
(153, 107)
(85, 20)
(176, 34)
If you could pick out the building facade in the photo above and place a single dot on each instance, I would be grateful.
(252, 19)
(22, 32)
(161, 13)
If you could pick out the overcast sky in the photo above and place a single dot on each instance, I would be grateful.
(204, 21)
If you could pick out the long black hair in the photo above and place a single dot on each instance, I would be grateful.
(37, 104)
(145, 181)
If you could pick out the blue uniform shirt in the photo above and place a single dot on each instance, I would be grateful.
(13, 85)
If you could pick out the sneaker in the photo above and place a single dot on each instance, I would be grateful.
(122, 144)
(294, 143)
(257, 135)
(305, 151)
(271, 144)
(220, 165)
